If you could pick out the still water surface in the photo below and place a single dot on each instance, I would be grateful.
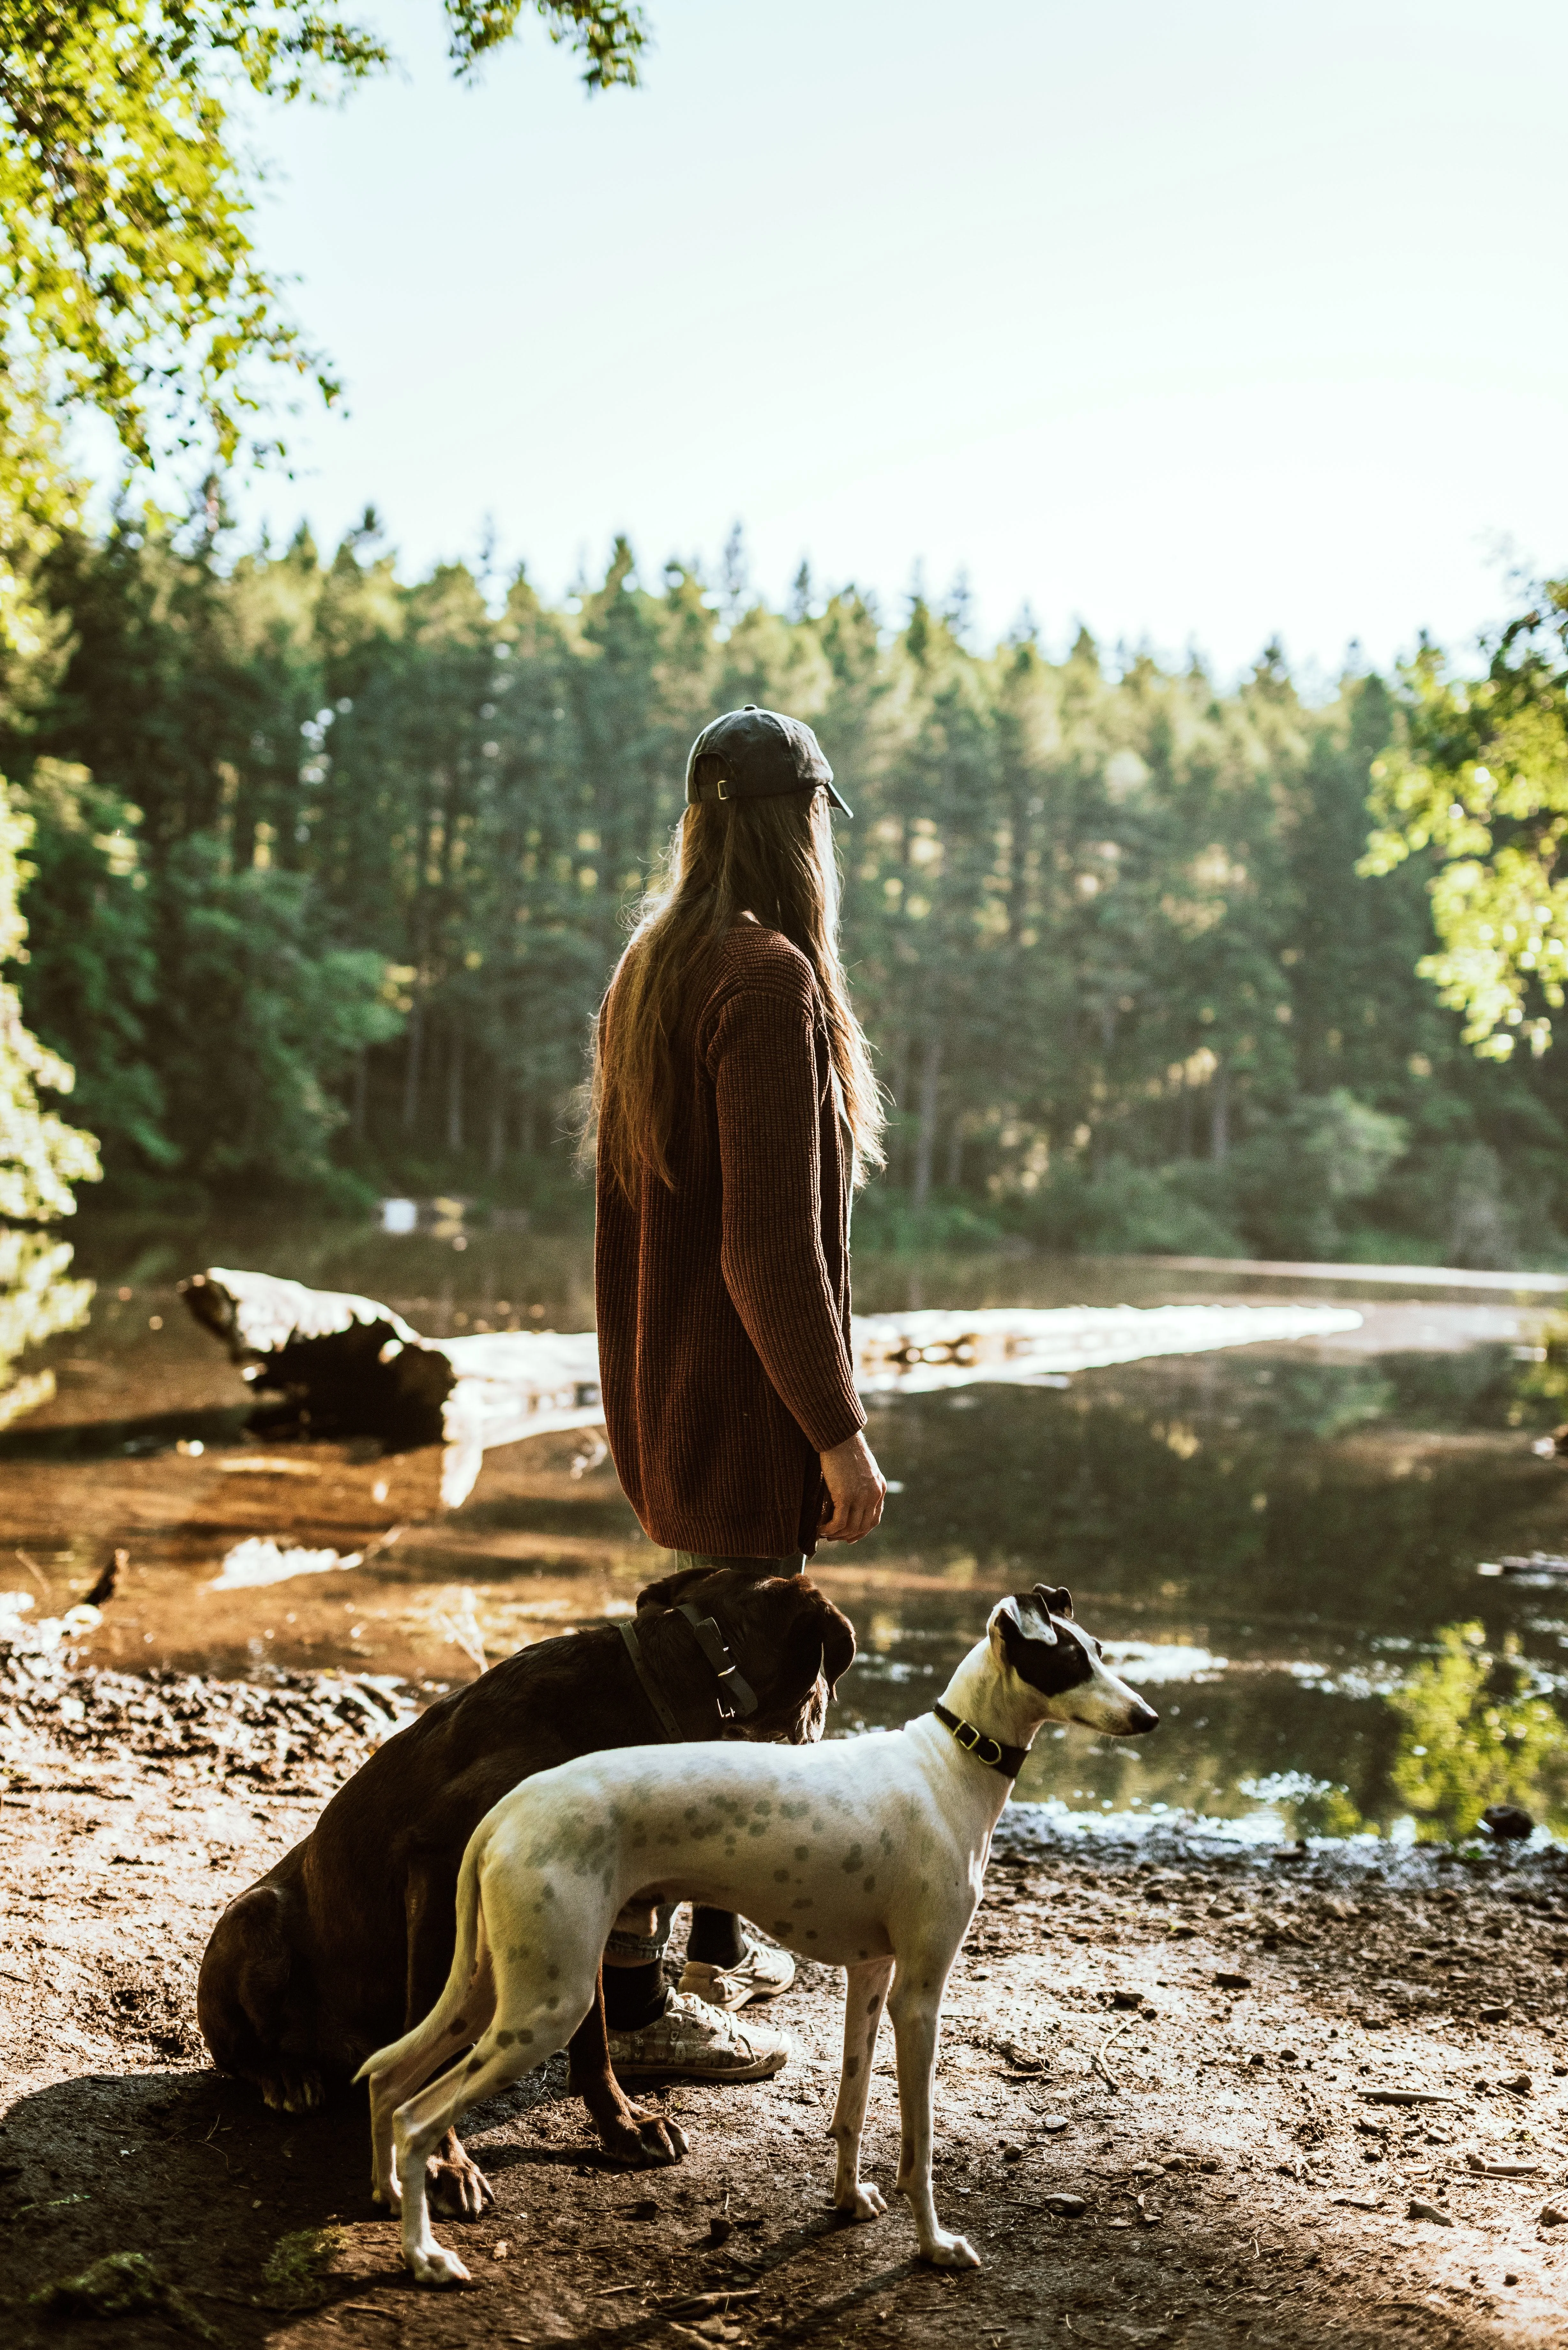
(1280, 1544)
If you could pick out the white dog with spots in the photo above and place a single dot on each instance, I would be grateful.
(867, 1853)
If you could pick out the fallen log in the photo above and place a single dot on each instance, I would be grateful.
(332, 1364)
(327, 1363)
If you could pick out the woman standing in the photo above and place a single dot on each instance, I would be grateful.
(735, 1103)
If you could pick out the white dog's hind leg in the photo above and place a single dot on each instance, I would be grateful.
(529, 2025)
(916, 2018)
(865, 1989)
(438, 2041)
(418, 2125)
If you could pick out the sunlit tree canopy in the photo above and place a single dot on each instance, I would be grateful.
(127, 274)
(1481, 781)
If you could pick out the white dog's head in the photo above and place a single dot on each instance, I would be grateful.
(1034, 1637)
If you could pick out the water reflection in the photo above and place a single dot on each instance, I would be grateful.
(1280, 1542)
(1476, 1730)
(38, 1302)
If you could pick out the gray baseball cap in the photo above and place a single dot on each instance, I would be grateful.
(757, 754)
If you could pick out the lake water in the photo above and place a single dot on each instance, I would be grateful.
(1281, 1544)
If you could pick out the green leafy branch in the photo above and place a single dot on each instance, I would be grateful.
(1480, 781)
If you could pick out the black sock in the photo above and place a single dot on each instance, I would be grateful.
(716, 1937)
(635, 1996)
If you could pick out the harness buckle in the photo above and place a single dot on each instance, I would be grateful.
(972, 1740)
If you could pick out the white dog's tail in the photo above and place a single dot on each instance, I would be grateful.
(448, 2009)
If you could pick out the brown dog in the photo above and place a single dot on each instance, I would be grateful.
(346, 1943)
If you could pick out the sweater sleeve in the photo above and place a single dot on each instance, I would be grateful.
(760, 1053)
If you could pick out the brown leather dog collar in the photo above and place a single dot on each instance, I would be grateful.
(651, 1688)
(1008, 1759)
(732, 1685)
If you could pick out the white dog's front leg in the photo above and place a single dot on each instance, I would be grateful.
(865, 1989)
(917, 2016)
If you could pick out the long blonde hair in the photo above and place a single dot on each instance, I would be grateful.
(770, 857)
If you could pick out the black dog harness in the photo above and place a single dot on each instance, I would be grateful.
(1008, 1759)
(715, 1650)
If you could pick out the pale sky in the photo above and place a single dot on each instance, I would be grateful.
(1198, 322)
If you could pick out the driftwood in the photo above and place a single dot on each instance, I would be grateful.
(330, 1364)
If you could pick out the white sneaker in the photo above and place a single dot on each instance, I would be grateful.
(700, 2042)
(762, 1973)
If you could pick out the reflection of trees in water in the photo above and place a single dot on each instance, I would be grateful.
(1235, 1492)
(1462, 1729)
(36, 1302)
(1474, 1731)
(1240, 1503)
(1321, 1759)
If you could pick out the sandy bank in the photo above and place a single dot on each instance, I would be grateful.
(1241, 2174)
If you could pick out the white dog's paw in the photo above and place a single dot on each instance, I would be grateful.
(868, 2202)
(385, 2194)
(436, 2267)
(945, 2251)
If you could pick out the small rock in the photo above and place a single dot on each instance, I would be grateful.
(1494, 2011)
(1554, 2215)
(1012, 2154)
(1420, 2211)
(1257, 2057)
(1289, 2057)
(1519, 2083)
(1055, 2122)
(1067, 2207)
(644, 2209)
(719, 2230)
(1510, 2276)
(1508, 1822)
(1127, 1999)
(501, 2251)
(1212, 2165)
(1225, 1981)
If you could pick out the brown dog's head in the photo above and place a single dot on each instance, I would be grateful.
(790, 1643)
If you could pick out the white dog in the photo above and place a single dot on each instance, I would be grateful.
(867, 1852)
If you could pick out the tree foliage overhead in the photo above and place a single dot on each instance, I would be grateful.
(127, 275)
(1481, 781)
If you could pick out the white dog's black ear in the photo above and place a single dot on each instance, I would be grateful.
(1058, 1601)
(1027, 1618)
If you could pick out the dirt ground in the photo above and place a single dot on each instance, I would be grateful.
(1239, 2172)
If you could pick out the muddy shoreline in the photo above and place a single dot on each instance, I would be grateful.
(1243, 2174)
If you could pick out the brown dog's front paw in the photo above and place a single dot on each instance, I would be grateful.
(293, 2093)
(457, 2187)
(643, 2139)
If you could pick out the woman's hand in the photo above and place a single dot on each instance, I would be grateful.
(856, 1489)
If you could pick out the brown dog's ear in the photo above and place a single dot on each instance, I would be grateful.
(821, 1641)
(1056, 1603)
(837, 1644)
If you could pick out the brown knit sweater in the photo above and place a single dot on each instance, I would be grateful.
(724, 1305)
